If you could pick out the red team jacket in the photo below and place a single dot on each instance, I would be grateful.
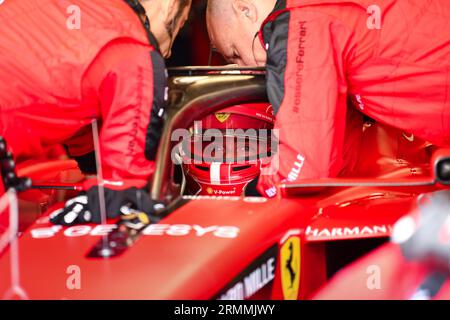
(65, 63)
(392, 57)
(387, 56)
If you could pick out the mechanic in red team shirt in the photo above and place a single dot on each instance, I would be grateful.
(64, 64)
(391, 57)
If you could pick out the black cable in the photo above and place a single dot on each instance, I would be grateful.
(136, 6)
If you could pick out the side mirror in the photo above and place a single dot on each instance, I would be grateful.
(441, 166)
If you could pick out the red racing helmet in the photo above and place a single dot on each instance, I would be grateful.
(225, 150)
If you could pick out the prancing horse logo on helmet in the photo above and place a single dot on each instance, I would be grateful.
(222, 117)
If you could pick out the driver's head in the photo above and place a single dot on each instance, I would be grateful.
(166, 18)
(232, 27)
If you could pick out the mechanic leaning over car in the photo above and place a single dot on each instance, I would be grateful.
(391, 57)
(64, 64)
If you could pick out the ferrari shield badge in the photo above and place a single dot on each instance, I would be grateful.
(290, 268)
(222, 117)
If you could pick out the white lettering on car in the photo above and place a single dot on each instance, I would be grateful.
(347, 231)
(252, 283)
(43, 233)
(227, 232)
(77, 231)
(103, 230)
(225, 192)
(202, 231)
(178, 230)
(155, 230)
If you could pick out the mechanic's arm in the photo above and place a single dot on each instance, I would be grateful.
(307, 87)
(131, 80)
(128, 80)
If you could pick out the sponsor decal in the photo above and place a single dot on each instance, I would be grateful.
(345, 232)
(227, 198)
(290, 268)
(222, 117)
(263, 116)
(219, 192)
(297, 169)
(225, 192)
(300, 60)
(255, 277)
(181, 230)
(157, 230)
(271, 192)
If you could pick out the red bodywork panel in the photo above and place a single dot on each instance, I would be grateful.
(178, 264)
(399, 279)
(202, 246)
(209, 247)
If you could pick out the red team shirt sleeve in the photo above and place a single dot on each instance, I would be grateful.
(126, 94)
(312, 110)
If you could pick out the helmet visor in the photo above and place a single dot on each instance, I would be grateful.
(228, 147)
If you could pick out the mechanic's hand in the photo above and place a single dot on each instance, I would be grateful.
(86, 207)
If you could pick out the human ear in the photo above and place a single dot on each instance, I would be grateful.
(245, 9)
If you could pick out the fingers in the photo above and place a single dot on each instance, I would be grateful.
(80, 199)
(55, 216)
(135, 205)
(63, 217)
(74, 212)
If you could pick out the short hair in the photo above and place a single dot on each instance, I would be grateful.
(139, 9)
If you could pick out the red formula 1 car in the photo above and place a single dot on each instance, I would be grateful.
(216, 246)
